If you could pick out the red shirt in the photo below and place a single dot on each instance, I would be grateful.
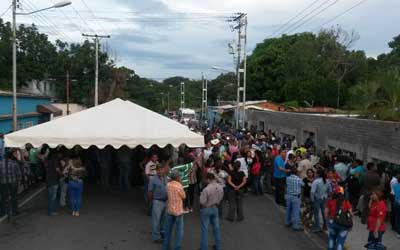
(377, 211)
(331, 205)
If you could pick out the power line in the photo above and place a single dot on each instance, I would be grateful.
(87, 7)
(341, 14)
(60, 10)
(295, 24)
(293, 18)
(313, 16)
(79, 15)
(47, 22)
(9, 7)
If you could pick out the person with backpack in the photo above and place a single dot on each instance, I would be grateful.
(340, 219)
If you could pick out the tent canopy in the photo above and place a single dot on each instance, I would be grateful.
(114, 123)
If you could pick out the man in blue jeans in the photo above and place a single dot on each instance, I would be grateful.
(210, 198)
(293, 201)
(175, 212)
(157, 194)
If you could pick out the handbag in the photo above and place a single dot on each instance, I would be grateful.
(342, 218)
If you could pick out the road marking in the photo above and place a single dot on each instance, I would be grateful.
(31, 197)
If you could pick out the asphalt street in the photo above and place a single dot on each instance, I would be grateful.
(116, 221)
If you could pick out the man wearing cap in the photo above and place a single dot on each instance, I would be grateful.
(175, 211)
(157, 195)
(210, 198)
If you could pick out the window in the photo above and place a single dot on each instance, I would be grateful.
(261, 126)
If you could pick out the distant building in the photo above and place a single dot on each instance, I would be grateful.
(73, 108)
(31, 110)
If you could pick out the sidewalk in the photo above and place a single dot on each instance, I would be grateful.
(359, 235)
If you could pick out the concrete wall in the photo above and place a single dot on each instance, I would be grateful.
(369, 139)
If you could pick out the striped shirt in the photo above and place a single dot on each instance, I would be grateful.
(10, 173)
(176, 194)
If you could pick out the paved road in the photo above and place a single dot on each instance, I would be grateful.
(115, 221)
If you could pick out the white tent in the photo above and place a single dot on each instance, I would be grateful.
(114, 123)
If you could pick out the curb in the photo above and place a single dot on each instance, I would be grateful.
(25, 201)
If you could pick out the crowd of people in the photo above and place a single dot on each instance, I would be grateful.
(323, 191)
(320, 191)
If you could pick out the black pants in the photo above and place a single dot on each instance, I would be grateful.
(235, 204)
(280, 184)
(8, 190)
(190, 195)
(365, 207)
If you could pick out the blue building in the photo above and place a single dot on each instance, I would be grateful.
(31, 110)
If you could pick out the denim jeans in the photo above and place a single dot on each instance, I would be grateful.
(52, 198)
(207, 216)
(293, 211)
(9, 190)
(75, 189)
(178, 222)
(319, 205)
(63, 192)
(124, 170)
(257, 184)
(371, 237)
(336, 236)
(158, 219)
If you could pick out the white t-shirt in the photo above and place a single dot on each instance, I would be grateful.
(243, 166)
(393, 182)
(150, 168)
(207, 153)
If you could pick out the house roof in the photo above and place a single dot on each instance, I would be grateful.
(10, 93)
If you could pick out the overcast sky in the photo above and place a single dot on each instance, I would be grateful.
(163, 38)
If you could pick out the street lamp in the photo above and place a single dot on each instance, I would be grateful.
(14, 51)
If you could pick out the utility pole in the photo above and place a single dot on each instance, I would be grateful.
(14, 62)
(182, 95)
(168, 102)
(67, 67)
(96, 81)
(204, 97)
(244, 36)
(241, 20)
